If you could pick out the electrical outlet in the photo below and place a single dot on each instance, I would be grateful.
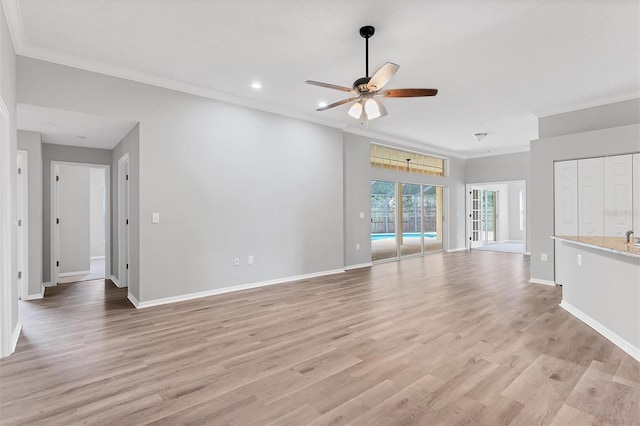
(361, 215)
(250, 260)
(358, 246)
(544, 257)
(579, 260)
(236, 261)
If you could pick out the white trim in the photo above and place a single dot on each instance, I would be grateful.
(215, 291)
(15, 336)
(603, 330)
(133, 300)
(539, 281)
(115, 281)
(456, 249)
(71, 274)
(96, 257)
(48, 284)
(7, 277)
(634, 94)
(358, 266)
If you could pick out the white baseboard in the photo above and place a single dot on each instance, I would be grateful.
(15, 336)
(48, 284)
(37, 295)
(215, 291)
(96, 257)
(527, 253)
(610, 335)
(358, 266)
(133, 300)
(70, 274)
(116, 282)
(539, 281)
(456, 249)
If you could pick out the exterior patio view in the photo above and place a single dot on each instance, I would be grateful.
(419, 215)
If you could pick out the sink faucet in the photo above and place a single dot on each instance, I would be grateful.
(629, 233)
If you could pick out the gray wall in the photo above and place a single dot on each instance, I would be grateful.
(130, 144)
(96, 212)
(71, 154)
(8, 189)
(228, 182)
(584, 120)
(358, 176)
(32, 143)
(544, 151)
(74, 201)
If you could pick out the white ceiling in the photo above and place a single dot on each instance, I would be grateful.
(497, 63)
(72, 128)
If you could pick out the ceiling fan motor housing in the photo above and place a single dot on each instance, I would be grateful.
(361, 84)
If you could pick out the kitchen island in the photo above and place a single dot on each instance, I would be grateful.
(601, 286)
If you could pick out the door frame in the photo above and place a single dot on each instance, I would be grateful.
(22, 200)
(54, 231)
(124, 236)
(468, 188)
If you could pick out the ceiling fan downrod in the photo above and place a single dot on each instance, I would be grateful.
(367, 32)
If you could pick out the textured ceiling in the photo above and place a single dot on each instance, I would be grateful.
(497, 64)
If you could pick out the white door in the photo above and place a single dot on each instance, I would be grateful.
(566, 197)
(55, 255)
(618, 195)
(636, 195)
(23, 225)
(123, 221)
(590, 197)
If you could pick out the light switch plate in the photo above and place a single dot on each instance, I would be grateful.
(361, 215)
(155, 217)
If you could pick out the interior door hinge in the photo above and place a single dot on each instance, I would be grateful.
(127, 266)
(19, 274)
(57, 220)
(57, 263)
(19, 170)
(19, 222)
(127, 221)
(57, 178)
(127, 177)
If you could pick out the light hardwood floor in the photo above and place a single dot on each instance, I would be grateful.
(442, 339)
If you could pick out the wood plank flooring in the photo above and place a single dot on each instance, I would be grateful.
(458, 338)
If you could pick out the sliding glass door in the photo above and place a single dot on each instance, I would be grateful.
(415, 210)
(383, 220)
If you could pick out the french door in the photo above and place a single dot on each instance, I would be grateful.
(482, 216)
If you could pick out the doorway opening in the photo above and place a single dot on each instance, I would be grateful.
(415, 210)
(496, 216)
(80, 223)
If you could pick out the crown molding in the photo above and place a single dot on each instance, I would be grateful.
(14, 21)
(505, 151)
(634, 94)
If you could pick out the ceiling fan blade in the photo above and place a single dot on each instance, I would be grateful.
(382, 76)
(408, 93)
(335, 104)
(330, 86)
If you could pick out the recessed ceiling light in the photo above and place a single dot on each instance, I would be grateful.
(322, 104)
(480, 135)
(256, 85)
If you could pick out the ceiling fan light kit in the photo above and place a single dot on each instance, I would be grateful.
(366, 106)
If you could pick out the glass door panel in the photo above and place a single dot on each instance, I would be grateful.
(410, 239)
(433, 230)
(383, 220)
(490, 216)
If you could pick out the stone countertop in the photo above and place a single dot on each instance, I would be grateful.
(611, 244)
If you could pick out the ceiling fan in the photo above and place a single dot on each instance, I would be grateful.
(366, 106)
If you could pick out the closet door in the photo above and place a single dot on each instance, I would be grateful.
(590, 197)
(566, 197)
(636, 194)
(618, 195)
